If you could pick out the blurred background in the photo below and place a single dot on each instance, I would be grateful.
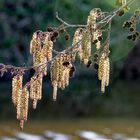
(81, 106)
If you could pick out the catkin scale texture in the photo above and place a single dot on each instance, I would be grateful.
(104, 71)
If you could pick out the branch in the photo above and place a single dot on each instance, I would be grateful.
(106, 19)
(112, 14)
(69, 25)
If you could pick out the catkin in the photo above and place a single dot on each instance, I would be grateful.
(60, 69)
(22, 107)
(86, 47)
(104, 71)
(36, 89)
(48, 46)
(77, 43)
(16, 88)
(95, 32)
(41, 48)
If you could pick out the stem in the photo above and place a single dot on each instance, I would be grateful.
(67, 24)
(112, 14)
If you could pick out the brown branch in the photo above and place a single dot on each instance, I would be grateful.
(106, 19)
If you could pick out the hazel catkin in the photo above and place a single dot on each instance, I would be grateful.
(104, 71)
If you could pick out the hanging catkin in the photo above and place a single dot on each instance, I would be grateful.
(96, 33)
(86, 47)
(41, 48)
(77, 44)
(16, 88)
(36, 89)
(60, 72)
(22, 107)
(104, 71)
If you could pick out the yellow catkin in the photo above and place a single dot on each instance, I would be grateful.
(32, 87)
(55, 76)
(97, 34)
(91, 21)
(54, 90)
(66, 76)
(16, 88)
(41, 49)
(55, 70)
(103, 81)
(22, 107)
(46, 51)
(35, 49)
(104, 71)
(92, 26)
(36, 89)
(101, 67)
(39, 86)
(107, 71)
(43, 61)
(65, 71)
(86, 47)
(48, 46)
(35, 44)
(77, 43)
(60, 69)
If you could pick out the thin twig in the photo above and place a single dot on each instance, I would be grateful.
(69, 25)
(112, 14)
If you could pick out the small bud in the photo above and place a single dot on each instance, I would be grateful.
(134, 37)
(67, 37)
(96, 66)
(66, 64)
(61, 30)
(137, 33)
(95, 55)
(95, 59)
(129, 37)
(72, 72)
(120, 13)
(53, 38)
(131, 29)
(137, 13)
(125, 24)
(100, 38)
(95, 41)
(89, 63)
(50, 29)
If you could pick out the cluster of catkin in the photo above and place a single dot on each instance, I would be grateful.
(92, 35)
(83, 38)
(92, 27)
(20, 99)
(61, 71)
(41, 48)
(62, 68)
(36, 89)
